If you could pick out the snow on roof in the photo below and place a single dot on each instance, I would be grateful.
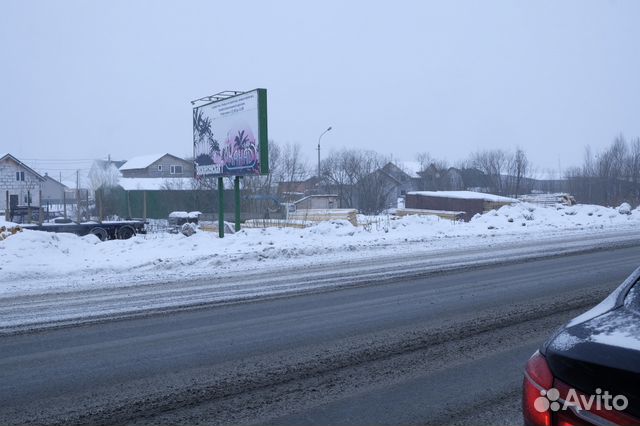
(155, 184)
(315, 196)
(141, 162)
(467, 195)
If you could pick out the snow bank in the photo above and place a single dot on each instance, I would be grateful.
(7, 224)
(38, 261)
(624, 208)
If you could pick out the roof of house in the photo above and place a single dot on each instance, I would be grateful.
(49, 178)
(467, 195)
(141, 162)
(144, 161)
(315, 196)
(20, 163)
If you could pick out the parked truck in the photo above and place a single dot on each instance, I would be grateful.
(106, 230)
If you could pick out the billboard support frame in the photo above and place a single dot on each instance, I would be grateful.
(263, 149)
(221, 207)
(216, 97)
(237, 201)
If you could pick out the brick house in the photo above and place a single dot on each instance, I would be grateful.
(20, 182)
(157, 166)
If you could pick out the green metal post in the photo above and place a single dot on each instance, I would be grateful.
(220, 208)
(237, 196)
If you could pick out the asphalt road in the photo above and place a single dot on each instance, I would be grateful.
(442, 349)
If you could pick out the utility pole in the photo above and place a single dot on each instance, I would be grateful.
(320, 137)
(78, 195)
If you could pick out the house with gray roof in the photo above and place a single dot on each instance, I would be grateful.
(157, 166)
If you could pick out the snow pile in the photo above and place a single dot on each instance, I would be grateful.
(624, 208)
(580, 216)
(7, 229)
(179, 214)
(7, 224)
(34, 260)
(185, 215)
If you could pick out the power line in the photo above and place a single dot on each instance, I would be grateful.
(67, 160)
(61, 169)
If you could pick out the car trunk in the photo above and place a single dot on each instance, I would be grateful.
(602, 353)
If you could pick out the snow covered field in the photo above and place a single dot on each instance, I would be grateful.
(36, 262)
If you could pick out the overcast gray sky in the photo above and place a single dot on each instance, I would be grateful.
(83, 79)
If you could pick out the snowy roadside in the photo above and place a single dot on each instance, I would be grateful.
(39, 263)
(36, 311)
(50, 279)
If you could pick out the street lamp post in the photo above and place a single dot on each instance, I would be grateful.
(320, 137)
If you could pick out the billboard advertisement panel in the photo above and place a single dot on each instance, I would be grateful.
(230, 136)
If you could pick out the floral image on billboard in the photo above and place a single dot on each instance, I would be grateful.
(227, 136)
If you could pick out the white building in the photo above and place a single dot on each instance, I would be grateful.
(19, 184)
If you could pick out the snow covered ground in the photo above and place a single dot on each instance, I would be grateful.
(48, 279)
(34, 262)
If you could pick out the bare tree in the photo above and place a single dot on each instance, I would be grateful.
(432, 173)
(339, 173)
(265, 184)
(633, 167)
(374, 189)
(492, 163)
(355, 176)
(103, 177)
(518, 170)
(295, 168)
(609, 177)
(291, 169)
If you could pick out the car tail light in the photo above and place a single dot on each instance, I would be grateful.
(537, 377)
(537, 411)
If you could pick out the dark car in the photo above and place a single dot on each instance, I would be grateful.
(588, 372)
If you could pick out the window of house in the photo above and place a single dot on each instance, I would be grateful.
(159, 167)
(175, 170)
(20, 176)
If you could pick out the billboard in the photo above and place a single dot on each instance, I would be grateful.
(230, 136)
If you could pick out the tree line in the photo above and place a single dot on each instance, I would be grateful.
(360, 180)
(609, 177)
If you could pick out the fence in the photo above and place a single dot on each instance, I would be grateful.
(158, 204)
